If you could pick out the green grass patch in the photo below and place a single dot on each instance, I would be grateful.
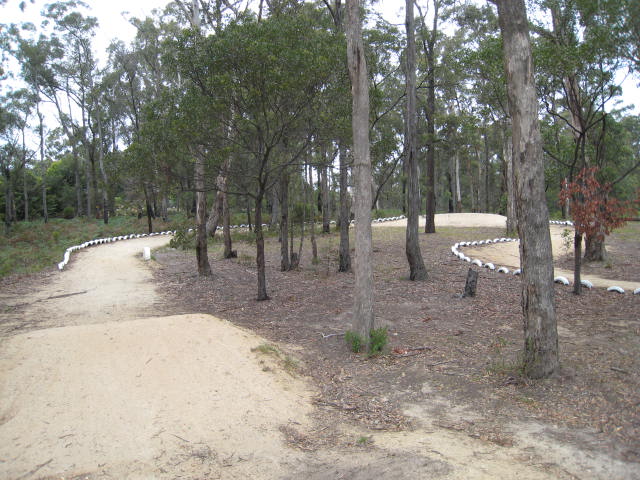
(34, 246)
(286, 362)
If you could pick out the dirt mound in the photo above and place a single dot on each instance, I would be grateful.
(144, 395)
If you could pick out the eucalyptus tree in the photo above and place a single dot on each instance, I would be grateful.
(340, 115)
(430, 37)
(271, 72)
(363, 309)
(540, 329)
(417, 269)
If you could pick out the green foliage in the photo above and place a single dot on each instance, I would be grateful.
(378, 341)
(68, 212)
(354, 341)
(183, 240)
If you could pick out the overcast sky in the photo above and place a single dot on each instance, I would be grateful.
(113, 24)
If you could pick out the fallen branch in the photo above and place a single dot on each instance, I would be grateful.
(619, 370)
(332, 335)
(38, 467)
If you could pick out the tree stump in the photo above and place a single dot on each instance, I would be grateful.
(472, 283)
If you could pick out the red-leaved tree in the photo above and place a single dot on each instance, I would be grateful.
(594, 211)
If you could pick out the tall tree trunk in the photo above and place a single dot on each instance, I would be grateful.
(363, 314)
(260, 260)
(275, 209)
(204, 268)
(314, 244)
(45, 209)
(148, 207)
(577, 263)
(595, 250)
(8, 200)
(78, 187)
(324, 192)
(417, 270)
(458, 192)
(215, 215)
(88, 189)
(429, 47)
(540, 330)
(487, 170)
(103, 173)
(344, 256)
(285, 263)
(507, 152)
(25, 194)
(226, 227)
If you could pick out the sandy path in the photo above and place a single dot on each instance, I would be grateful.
(109, 396)
(508, 255)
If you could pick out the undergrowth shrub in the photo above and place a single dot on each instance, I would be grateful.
(378, 339)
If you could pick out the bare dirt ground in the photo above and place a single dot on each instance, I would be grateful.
(95, 383)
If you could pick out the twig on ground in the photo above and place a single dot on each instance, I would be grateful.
(331, 335)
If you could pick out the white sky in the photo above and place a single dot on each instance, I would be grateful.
(113, 24)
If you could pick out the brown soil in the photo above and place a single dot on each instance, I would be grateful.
(453, 362)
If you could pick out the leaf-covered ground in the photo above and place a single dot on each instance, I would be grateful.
(465, 352)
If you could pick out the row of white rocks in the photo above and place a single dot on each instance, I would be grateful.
(455, 250)
(100, 241)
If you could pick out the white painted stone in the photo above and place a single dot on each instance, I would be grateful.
(636, 291)
(146, 253)
(586, 283)
(615, 288)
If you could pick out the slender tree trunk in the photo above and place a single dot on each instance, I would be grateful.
(226, 228)
(148, 206)
(458, 192)
(260, 260)
(275, 209)
(577, 263)
(215, 215)
(8, 200)
(540, 330)
(344, 256)
(314, 244)
(363, 312)
(507, 151)
(324, 192)
(285, 263)
(25, 194)
(430, 45)
(78, 187)
(103, 173)
(417, 269)
(45, 209)
(204, 268)
(487, 170)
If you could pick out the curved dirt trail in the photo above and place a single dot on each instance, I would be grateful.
(507, 254)
(102, 387)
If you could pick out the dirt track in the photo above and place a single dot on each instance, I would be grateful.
(102, 386)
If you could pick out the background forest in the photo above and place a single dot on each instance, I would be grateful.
(250, 108)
